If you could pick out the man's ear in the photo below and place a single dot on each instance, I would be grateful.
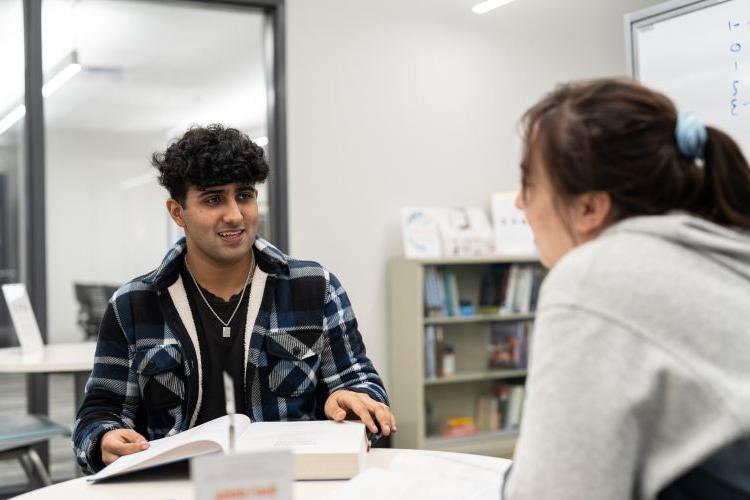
(175, 211)
(592, 213)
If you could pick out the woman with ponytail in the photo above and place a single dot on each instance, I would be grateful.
(639, 383)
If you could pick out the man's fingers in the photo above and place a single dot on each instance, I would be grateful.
(364, 415)
(124, 448)
(383, 416)
(121, 442)
(108, 458)
(334, 411)
(129, 435)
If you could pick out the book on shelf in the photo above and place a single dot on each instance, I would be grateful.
(500, 410)
(441, 295)
(459, 427)
(510, 289)
(488, 414)
(435, 351)
(509, 345)
(514, 407)
(321, 449)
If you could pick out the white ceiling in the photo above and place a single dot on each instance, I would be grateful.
(147, 66)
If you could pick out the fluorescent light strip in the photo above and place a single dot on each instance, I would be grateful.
(489, 5)
(11, 118)
(59, 79)
(48, 89)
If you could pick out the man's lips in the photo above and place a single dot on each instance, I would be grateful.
(233, 236)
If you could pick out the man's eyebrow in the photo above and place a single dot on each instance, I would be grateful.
(210, 191)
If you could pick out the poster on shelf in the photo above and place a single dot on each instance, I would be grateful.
(513, 235)
(466, 232)
(420, 231)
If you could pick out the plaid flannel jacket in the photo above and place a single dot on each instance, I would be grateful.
(147, 375)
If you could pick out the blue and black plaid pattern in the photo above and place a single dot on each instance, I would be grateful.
(304, 345)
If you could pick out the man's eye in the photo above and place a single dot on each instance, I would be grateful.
(247, 195)
(213, 200)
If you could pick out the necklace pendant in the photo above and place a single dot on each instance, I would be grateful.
(226, 332)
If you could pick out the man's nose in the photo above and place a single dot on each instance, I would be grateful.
(233, 214)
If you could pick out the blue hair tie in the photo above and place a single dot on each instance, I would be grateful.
(691, 135)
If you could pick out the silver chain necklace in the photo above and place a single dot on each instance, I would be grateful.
(226, 330)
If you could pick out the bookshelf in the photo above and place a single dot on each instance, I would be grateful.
(456, 395)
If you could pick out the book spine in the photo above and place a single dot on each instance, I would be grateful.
(439, 348)
(430, 365)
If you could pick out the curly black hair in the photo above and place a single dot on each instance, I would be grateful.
(209, 156)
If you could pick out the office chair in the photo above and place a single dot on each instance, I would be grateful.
(92, 300)
(17, 436)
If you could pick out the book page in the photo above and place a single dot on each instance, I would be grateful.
(201, 439)
(319, 437)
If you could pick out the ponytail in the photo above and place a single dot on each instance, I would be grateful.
(727, 181)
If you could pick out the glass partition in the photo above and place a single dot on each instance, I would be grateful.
(122, 78)
(12, 112)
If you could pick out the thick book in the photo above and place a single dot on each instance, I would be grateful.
(322, 449)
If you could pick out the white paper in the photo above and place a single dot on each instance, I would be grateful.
(266, 475)
(22, 315)
(437, 477)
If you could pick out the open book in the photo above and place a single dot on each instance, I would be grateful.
(434, 475)
(322, 449)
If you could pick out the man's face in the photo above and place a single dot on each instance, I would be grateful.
(220, 222)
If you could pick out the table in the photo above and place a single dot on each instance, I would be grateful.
(76, 358)
(162, 488)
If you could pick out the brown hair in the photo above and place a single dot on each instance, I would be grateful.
(617, 136)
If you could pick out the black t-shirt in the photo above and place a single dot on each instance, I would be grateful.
(219, 355)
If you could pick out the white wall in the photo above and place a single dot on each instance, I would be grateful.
(99, 229)
(409, 102)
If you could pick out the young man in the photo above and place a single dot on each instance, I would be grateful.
(224, 310)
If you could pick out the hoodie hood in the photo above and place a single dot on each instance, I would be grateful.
(726, 245)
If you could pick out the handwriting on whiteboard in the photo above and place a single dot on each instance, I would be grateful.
(737, 98)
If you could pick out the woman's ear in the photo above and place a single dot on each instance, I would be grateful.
(175, 211)
(592, 213)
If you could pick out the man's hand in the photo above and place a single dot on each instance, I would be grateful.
(119, 442)
(343, 403)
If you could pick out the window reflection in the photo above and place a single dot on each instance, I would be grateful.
(146, 72)
(12, 112)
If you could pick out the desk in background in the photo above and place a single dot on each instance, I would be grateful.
(74, 358)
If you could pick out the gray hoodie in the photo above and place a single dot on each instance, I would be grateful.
(640, 364)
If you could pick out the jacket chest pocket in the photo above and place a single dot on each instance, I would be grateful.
(293, 361)
(160, 377)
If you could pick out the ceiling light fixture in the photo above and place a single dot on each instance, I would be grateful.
(11, 118)
(63, 71)
(489, 5)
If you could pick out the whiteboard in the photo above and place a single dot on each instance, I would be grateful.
(698, 54)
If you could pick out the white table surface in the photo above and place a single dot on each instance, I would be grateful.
(53, 358)
(162, 489)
